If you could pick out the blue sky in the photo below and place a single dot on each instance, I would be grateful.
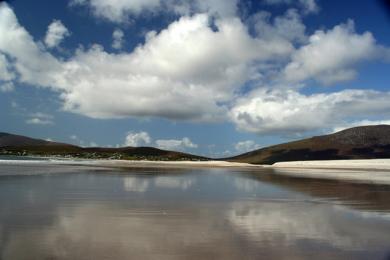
(216, 77)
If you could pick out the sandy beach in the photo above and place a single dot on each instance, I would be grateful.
(372, 164)
(375, 171)
(132, 164)
(171, 164)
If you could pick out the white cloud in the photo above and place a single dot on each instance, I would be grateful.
(190, 67)
(177, 145)
(289, 112)
(74, 137)
(330, 55)
(188, 84)
(93, 144)
(196, 69)
(78, 141)
(137, 139)
(246, 146)
(308, 6)
(359, 123)
(56, 32)
(34, 65)
(117, 39)
(120, 11)
(5, 72)
(40, 119)
(288, 26)
(7, 87)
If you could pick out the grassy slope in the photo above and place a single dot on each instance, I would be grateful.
(21, 145)
(355, 143)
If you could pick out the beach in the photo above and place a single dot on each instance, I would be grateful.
(131, 164)
(371, 164)
(376, 171)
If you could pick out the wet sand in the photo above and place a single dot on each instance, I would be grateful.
(131, 164)
(376, 171)
(80, 212)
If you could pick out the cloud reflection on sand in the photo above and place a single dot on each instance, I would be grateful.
(136, 184)
(114, 233)
(291, 222)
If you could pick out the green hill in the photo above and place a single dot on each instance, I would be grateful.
(21, 145)
(365, 142)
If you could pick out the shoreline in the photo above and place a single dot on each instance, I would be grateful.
(365, 164)
(370, 171)
(131, 164)
(373, 171)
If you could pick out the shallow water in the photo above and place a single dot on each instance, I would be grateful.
(69, 212)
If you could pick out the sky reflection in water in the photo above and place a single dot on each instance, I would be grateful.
(80, 213)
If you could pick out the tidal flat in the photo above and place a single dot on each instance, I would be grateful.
(86, 212)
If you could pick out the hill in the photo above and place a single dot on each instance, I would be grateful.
(365, 142)
(21, 145)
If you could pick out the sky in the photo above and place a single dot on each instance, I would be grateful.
(209, 77)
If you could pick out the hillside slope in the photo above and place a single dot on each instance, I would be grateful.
(21, 145)
(365, 142)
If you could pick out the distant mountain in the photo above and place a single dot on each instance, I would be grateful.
(20, 141)
(21, 145)
(365, 142)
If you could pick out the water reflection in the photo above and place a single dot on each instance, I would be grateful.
(135, 184)
(138, 184)
(195, 214)
(357, 195)
(290, 223)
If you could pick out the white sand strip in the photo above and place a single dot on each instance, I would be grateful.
(376, 171)
(374, 164)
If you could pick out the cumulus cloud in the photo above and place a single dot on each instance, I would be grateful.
(56, 32)
(190, 68)
(246, 146)
(40, 119)
(120, 11)
(193, 66)
(144, 139)
(308, 6)
(7, 87)
(5, 70)
(78, 141)
(290, 112)
(330, 55)
(33, 65)
(177, 145)
(137, 139)
(288, 26)
(117, 39)
(199, 68)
